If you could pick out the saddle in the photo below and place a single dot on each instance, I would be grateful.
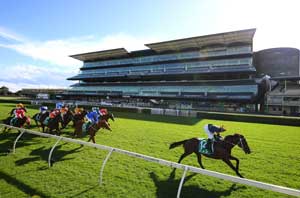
(46, 121)
(13, 121)
(85, 127)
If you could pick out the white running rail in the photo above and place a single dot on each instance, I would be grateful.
(262, 185)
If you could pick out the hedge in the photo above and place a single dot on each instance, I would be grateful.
(265, 119)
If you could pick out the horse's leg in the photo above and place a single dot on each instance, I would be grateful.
(183, 156)
(228, 162)
(92, 138)
(57, 131)
(237, 161)
(75, 132)
(92, 135)
(36, 123)
(199, 159)
(107, 126)
(38, 126)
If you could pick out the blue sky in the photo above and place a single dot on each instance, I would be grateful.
(37, 37)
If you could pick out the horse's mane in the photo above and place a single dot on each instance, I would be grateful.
(231, 136)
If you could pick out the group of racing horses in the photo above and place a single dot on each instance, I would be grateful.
(60, 121)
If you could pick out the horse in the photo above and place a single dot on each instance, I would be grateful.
(102, 123)
(95, 127)
(18, 123)
(38, 117)
(108, 116)
(79, 116)
(53, 124)
(222, 150)
(67, 117)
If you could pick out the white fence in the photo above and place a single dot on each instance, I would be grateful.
(262, 185)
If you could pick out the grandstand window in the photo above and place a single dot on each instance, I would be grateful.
(177, 56)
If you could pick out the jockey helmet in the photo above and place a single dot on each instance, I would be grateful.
(44, 108)
(20, 105)
(103, 111)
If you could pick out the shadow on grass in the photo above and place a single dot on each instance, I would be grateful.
(21, 186)
(42, 153)
(158, 118)
(7, 140)
(84, 191)
(169, 187)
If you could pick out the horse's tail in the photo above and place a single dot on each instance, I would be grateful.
(175, 144)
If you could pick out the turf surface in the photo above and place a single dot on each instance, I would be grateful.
(274, 159)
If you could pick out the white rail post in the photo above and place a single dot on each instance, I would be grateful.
(181, 181)
(51, 151)
(103, 165)
(17, 139)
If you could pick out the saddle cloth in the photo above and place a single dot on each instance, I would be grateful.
(202, 148)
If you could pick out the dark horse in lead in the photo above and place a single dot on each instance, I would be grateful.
(222, 150)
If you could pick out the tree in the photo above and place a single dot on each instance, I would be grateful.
(4, 91)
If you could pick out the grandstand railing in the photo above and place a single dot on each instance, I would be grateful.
(184, 66)
(262, 185)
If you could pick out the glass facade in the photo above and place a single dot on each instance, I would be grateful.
(171, 90)
(223, 65)
(209, 52)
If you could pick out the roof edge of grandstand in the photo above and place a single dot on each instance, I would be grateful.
(251, 31)
(119, 51)
(122, 52)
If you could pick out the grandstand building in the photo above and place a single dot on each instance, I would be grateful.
(202, 72)
(213, 72)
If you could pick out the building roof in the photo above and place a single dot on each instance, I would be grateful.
(118, 52)
(221, 39)
(242, 36)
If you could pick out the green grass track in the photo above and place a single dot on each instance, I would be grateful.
(274, 159)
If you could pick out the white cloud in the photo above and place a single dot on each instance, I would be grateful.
(57, 52)
(31, 76)
(10, 35)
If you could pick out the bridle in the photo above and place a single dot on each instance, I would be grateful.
(239, 142)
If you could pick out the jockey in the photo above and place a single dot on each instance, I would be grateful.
(43, 109)
(210, 130)
(20, 111)
(54, 113)
(103, 111)
(92, 118)
(78, 110)
(58, 105)
(64, 109)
